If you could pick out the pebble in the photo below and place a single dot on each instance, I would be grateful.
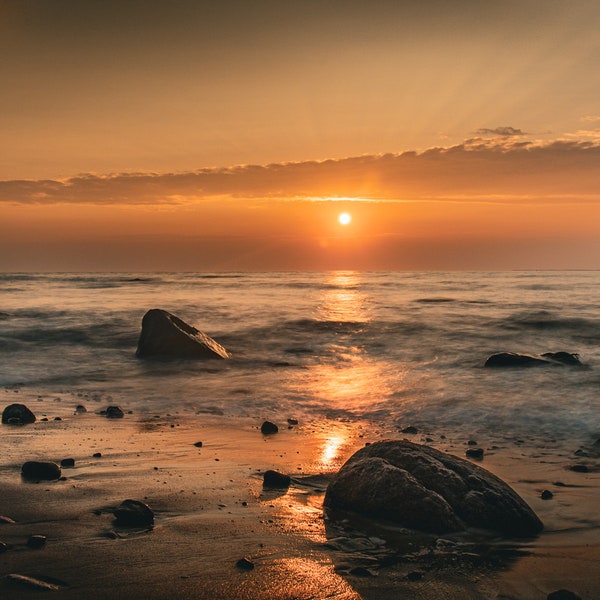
(292, 421)
(80, 408)
(409, 429)
(31, 582)
(67, 462)
(36, 541)
(472, 443)
(268, 428)
(198, 444)
(244, 564)
(547, 495)
(414, 576)
(579, 468)
(97, 455)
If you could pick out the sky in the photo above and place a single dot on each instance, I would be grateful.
(195, 135)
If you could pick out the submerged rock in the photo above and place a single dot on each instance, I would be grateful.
(512, 359)
(133, 513)
(427, 490)
(40, 471)
(17, 414)
(164, 334)
(563, 595)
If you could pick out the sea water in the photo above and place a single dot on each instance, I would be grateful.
(385, 348)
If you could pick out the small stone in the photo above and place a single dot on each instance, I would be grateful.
(38, 471)
(244, 564)
(414, 576)
(273, 479)
(268, 428)
(97, 455)
(409, 429)
(563, 595)
(31, 582)
(67, 462)
(292, 421)
(361, 572)
(476, 453)
(57, 419)
(17, 414)
(79, 409)
(114, 412)
(44, 419)
(472, 443)
(36, 541)
(133, 513)
(579, 468)
(6, 520)
(198, 444)
(547, 495)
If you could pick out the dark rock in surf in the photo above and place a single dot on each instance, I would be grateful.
(563, 595)
(274, 479)
(547, 495)
(566, 358)
(427, 490)
(133, 513)
(17, 414)
(36, 541)
(80, 409)
(164, 334)
(512, 359)
(68, 463)
(40, 471)
(268, 428)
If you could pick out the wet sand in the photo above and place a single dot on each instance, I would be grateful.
(211, 510)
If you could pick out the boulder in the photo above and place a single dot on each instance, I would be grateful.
(427, 490)
(17, 414)
(40, 471)
(114, 412)
(512, 359)
(164, 334)
(274, 479)
(133, 513)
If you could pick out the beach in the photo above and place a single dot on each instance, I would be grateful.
(211, 510)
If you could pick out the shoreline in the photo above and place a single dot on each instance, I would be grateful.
(211, 510)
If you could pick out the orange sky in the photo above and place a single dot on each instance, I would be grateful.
(210, 136)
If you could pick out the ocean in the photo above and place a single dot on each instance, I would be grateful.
(388, 349)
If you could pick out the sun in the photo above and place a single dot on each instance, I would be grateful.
(345, 218)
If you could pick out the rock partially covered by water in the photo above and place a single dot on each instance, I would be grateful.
(40, 471)
(164, 334)
(17, 414)
(133, 513)
(512, 359)
(427, 490)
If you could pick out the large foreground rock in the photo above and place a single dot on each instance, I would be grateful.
(17, 414)
(164, 334)
(425, 489)
(512, 359)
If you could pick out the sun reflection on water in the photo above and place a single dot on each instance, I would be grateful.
(343, 301)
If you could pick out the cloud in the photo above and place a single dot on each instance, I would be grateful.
(591, 118)
(505, 131)
(476, 170)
